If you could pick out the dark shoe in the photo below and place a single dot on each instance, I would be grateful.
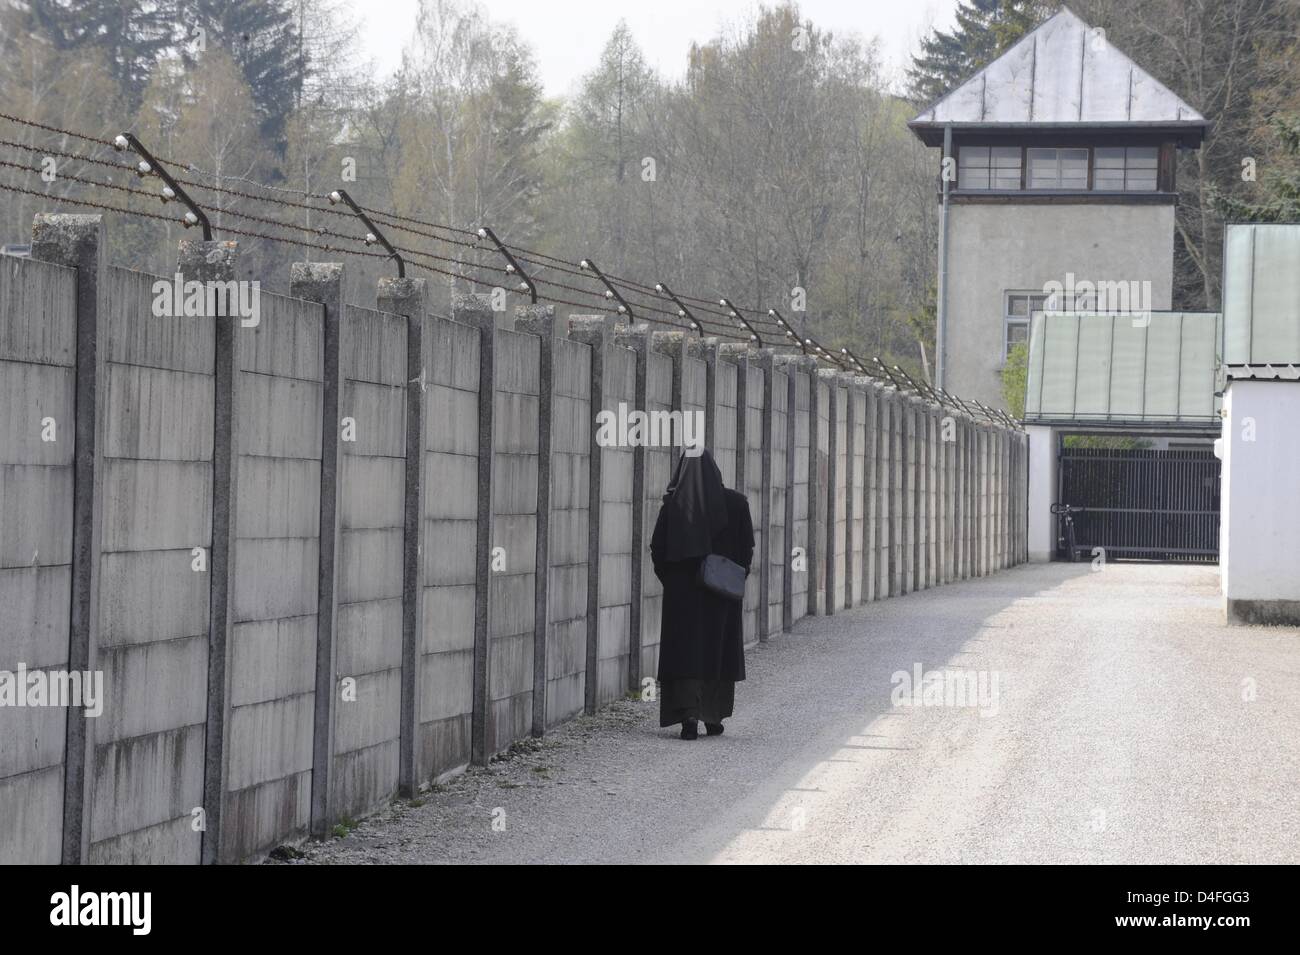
(713, 729)
(690, 729)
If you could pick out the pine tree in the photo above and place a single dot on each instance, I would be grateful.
(131, 35)
(985, 29)
(262, 37)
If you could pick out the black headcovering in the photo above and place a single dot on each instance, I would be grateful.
(696, 508)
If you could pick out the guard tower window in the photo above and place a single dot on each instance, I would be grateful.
(1125, 168)
(1020, 307)
(988, 167)
(1052, 168)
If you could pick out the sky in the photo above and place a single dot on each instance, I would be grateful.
(567, 35)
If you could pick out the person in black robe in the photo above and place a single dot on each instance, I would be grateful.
(701, 634)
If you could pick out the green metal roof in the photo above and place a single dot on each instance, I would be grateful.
(1122, 369)
(1261, 293)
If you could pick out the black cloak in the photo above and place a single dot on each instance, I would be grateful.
(701, 635)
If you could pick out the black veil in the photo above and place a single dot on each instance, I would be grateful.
(695, 507)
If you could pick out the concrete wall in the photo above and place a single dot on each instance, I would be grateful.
(334, 556)
(616, 505)
(38, 334)
(451, 452)
(277, 529)
(157, 506)
(1259, 523)
(566, 641)
(995, 248)
(371, 527)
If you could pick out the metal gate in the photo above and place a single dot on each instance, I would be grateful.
(1143, 503)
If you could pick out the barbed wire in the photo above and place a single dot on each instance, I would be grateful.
(908, 384)
(710, 319)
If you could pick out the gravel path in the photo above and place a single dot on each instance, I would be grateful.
(1121, 732)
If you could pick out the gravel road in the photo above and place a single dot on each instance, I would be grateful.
(1129, 725)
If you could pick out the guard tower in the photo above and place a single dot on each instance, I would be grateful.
(1058, 192)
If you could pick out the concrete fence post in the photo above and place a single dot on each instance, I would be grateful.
(817, 469)
(539, 320)
(945, 486)
(977, 504)
(834, 411)
(792, 366)
(322, 282)
(706, 350)
(959, 497)
(853, 500)
(672, 345)
(907, 459)
(884, 491)
(78, 242)
(640, 340)
(976, 481)
(764, 359)
(999, 447)
(1008, 495)
(476, 310)
(924, 490)
(936, 498)
(893, 435)
(408, 297)
(594, 332)
(214, 261)
(738, 355)
(982, 470)
(870, 488)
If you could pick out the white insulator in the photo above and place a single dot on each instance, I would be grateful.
(120, 142)
(335, 198)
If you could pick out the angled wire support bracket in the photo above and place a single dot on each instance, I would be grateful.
(739, 316)
(823, 354)
(512, 267)
(148, 165)
(789, 329)
(610, 291)
(682, 310)
(854, 358)
(373, 235)
(890, 375)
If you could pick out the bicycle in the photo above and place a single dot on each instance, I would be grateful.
(1065, 538)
